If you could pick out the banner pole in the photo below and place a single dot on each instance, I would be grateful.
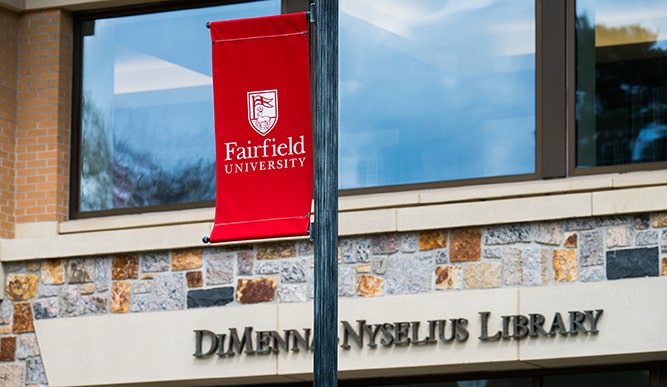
(325, 363)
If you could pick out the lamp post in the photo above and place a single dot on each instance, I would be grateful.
(325, 363)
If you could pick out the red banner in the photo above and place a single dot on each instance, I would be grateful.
(263, 129)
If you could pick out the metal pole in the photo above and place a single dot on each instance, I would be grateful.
(325, 363)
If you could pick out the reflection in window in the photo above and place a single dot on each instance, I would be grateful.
(639, 378)
(147, 134)
(621, 97)
(499, 382)
(435, 90)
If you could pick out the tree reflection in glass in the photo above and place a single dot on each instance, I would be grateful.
(621, 97)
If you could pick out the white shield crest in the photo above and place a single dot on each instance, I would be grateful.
(263, 110)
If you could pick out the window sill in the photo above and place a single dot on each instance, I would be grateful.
(472, 206)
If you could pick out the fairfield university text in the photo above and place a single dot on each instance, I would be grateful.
(402, 333)
(265, 156)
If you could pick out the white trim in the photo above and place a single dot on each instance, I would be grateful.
(158, 346)
(14, 5)
(533, 201)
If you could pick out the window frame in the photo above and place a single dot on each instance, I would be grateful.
(79, 18)
(656, 369)
(571, 58)
(539, 134)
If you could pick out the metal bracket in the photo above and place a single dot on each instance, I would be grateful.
(311, 13)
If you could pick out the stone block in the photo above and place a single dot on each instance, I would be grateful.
(87, 289)
(347, 280)
(80, 270)
(565, 265)
(21, 287)
(169, 292)
(276, 250)
(429, 240)
(633, 263)
(124, 267)
(642, 222)
(294, 271)
(379, 264)
(370, 285)
(120, 297)
(409, 274)
(483, 275)
(95, 304)
(466, 245)
(385, 244)
(245, 261)
(647, 238)
(591, 247)
(8, 348)
(448, 277)
(252, 291)
(532, 266)
(23, 320)
(70, 303)
(27, 346)
(503, 235)
(36, 374)
(659, 219)
(46, 308)
(290, 293)
(204, 298)
(220, 269)
(194, 279)
(512, 266)
(53, 272)
(186, 260)
(548, 233)
(619, 236)
(155, 262)
(12, 374)
(409, 243)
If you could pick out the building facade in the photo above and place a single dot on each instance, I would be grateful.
(541, 264)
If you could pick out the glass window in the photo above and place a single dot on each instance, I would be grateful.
(435, 90)
(639, 378)
(146, 121)
(621, 91)
(498, 382)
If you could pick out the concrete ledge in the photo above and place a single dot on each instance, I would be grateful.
(136, 221)
(489, 212)
(14, 5)
(630, 200)
(475, 206)
(105, 242)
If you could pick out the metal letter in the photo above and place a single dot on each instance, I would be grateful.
(199, 335)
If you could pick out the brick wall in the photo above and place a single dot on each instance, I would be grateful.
(43, 116)
(8, 74)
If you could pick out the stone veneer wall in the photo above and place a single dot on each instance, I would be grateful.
(538, 254)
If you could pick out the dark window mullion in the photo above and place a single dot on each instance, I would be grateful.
(552, 88)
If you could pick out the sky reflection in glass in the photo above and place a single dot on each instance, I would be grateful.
(430, 90)
(147, 111)
(435, 90)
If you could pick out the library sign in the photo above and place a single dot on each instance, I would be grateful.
(398, 333)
